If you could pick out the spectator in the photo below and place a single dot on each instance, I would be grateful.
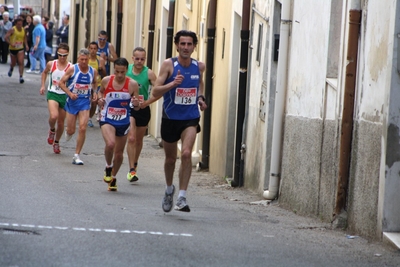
(62, 32)
(5, 26)
(48, 52)
(28, 30)
(39, 45)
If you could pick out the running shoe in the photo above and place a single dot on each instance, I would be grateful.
(21, 80)
(37, 72)
(90, 123)
(77, 161)
(181, 205)
(56, 148)
(30, 71)
(167, 200)
(132, 177)
(112, 186)
(107, 175)
(67, 137)
(50, 138)
(10, 72)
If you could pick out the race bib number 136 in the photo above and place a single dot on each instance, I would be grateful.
(185, 96)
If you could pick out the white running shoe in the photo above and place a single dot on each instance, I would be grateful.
(77, 161)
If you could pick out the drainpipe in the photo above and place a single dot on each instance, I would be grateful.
(170, 28)
(212, 15)
(119, 27)
(150, 43)
(76, 31)
(244, 56)
(348, 110)
(108, 14)
(279, 109)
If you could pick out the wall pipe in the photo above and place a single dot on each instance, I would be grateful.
(241, 100)
(76, 32)
(211, 29)
(150, 43)
(119, 27)
(170, 28)
(346, 136)
(279, 109)
(109, 14)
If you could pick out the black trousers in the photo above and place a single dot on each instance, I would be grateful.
(4, 51)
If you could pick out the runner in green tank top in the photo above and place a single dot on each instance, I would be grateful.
(145, 77)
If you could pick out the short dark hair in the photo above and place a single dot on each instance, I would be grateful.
(140, 49)
(121, 61)
(185, 33)
(64, 46)
(103, 32)
(94, 43)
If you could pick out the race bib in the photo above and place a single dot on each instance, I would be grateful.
(185, 96)
(116, 114)
(56, 85)
(81, 89)
(18, 45)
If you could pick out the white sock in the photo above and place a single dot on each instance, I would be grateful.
(76, 155)
(182, 193)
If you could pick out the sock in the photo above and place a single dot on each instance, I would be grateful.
(55, 141)
(182, 193)
(132, 169)
(108, 171)
(76, 155)
(169, 189)
(53, 130)
(135, 165)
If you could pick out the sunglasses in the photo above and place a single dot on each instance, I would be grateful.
(102, 39)
(140, 58)
(62, 55)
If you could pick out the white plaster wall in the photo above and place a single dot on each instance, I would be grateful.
(308, 58)
(375, 62)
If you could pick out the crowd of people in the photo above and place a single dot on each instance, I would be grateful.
(75, 92)
(28, 36)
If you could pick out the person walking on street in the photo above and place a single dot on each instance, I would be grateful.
(81, 79)
(180, 82)
(5, 26)
(116, 93)
(16, 38)
(98, 64)
(106, 50)
(39, 45)
(139, 119)
(56, 97)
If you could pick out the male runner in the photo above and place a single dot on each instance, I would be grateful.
(81, 79)
(56, 97)
(181, 83)
(145, 77)
(115, 95)
(98, 64)
(106, 50)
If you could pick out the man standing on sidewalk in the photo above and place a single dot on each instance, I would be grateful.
(56, 97)
(181, 83)
(81, 79)
(39, 45)
(145, 77)
(116, 92)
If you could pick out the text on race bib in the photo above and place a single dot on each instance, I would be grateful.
(185, 96)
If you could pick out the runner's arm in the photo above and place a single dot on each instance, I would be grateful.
(166, 70)
(44, 76)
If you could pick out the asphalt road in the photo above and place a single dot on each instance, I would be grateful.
(53, 213)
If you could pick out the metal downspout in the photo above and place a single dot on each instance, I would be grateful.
(280, 97)
(152, 27)
(119, 27)
(109, 14)
(244, 56)
(170, 28)
(76, 32)
(211, 29)
(348, 111)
